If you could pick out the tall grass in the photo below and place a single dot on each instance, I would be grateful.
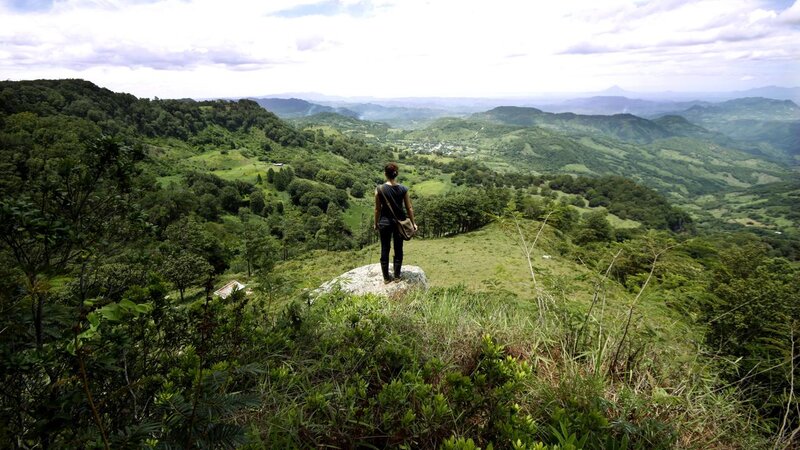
(366, 371)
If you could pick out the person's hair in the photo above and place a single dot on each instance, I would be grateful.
(391, 171)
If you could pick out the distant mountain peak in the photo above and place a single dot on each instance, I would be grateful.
(519, 109)
(614, 90)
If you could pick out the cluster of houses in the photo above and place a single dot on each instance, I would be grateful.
(439, 148)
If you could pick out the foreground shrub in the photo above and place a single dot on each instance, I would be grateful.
(349, 374)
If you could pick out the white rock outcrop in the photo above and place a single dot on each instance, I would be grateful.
(369, 280)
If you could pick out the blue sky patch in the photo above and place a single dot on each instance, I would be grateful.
(30, 5)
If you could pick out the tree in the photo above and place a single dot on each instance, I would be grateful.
(339, 179)
(333, 233)
(189, 236)
(270, 176)
(229, 199)
(595, 227)
(185, 270)
(165, 206)
(530, 207)
(752, 318)
(208, 207)
(257, 202)
(293, 230)
(562, 217)
(599, 200)
(358, 190)
(257, 247)
(72, 191)
(283, 178)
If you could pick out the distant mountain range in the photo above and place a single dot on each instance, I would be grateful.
(752, 122)
(752, 108)
(619, 105)
(761, 126)
(653, 108)
(477, 104)
(291, 108)
(773, 92)
(413, 112)
(397, 116)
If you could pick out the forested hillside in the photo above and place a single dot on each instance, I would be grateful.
(566, 311)
(678, 166)
(763, 126)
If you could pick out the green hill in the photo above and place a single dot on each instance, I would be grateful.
(333, 122)
(679, 126)
(289, 108)
(772, 208)
(626, 127)
(762, 126)
(751, 108)
(679, 167)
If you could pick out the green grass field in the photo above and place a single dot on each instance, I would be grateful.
(491, 260)
(437, 186)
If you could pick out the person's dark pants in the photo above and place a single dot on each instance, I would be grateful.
(388, 234)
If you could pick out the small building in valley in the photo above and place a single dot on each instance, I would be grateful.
(225, 291)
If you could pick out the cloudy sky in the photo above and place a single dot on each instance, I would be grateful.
(393, 48)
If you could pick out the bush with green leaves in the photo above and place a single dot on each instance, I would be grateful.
(347, 372)
(753, 322)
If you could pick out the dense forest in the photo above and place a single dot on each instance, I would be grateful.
(121, 216)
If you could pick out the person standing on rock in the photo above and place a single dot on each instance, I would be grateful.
(392, 203)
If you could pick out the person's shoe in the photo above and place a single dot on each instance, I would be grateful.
(387, 277)
(396, 266)
(398, 277)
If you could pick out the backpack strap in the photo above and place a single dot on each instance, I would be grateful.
(386, 199)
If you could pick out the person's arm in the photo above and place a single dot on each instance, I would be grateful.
(410, 209)
(377, 209)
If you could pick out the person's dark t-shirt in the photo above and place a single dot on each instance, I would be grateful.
(394, 194)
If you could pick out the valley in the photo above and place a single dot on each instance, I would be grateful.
(684, 161)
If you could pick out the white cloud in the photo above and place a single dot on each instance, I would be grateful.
(792, 14)
(205, 48)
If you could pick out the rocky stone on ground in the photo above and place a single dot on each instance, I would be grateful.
(369, 280)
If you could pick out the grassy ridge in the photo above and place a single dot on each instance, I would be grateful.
(491, 260)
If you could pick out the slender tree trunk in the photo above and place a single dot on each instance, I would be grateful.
(37, 320)
(37, 308)
(85, 380)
